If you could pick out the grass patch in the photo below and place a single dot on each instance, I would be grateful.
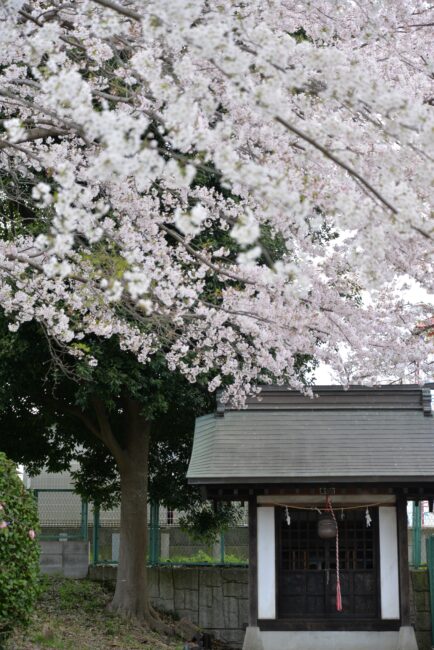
(72, 615)
(49, 642)
(80, 594)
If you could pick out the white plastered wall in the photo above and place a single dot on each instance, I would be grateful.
(389, 576)
(266, 563)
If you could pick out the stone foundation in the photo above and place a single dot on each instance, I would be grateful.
(216, 599)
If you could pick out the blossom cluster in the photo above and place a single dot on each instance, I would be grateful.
(169, 149)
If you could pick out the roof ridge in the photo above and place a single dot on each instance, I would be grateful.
(272, 398)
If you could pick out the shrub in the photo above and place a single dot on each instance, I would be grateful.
(19, 549)
(201, 557)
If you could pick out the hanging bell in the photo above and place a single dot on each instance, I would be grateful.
(326, 526)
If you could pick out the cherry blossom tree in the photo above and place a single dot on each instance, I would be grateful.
(157, 154)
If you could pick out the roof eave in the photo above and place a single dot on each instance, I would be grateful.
(296, 480)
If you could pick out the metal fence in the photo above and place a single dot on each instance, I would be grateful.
(416, 556)
(430, 563)
(64, 515)
(422, 555)
(421, 528)
(168, 543)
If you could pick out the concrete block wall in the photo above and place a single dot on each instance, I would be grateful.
(68, 558)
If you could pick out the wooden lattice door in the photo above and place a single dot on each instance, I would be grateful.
(306, 566)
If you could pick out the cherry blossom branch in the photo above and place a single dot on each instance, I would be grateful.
(203, 259)
(27, 260)
(32, 105)
(121, 216)
(37, 133)
(328, 154)
(6, 144)
(120, 9)
(290, 127)
(37, 22)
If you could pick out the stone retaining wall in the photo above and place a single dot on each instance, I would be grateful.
(216, 598)
(420, 608)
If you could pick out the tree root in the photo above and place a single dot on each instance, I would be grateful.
(183, 628)
(149, 617)
(157, 624)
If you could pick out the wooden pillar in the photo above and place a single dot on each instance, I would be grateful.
(253, 562)
(404, 573)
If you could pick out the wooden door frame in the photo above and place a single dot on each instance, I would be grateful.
(253, 561)
(403, 566)
(328, 623)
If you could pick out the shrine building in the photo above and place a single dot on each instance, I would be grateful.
(327, 480)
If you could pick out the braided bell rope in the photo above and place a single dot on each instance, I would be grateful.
(338, 577)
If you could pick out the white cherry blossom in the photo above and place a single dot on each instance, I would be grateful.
(223, 183)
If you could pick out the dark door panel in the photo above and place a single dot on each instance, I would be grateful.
(306, 567)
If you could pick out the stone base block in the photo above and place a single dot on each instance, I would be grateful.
(329, 641)
(252, 639)
(407, 638)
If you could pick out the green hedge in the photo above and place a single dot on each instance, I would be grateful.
(19, 549)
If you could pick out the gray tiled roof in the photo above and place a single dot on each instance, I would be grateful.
(313, 444)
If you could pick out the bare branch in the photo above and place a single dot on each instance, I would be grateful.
(120, 9)
(422, 232)
(76, 412)
(419, 25)
(37, 133)
(106, 431)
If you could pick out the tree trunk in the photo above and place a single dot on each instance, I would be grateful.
(131, 596)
